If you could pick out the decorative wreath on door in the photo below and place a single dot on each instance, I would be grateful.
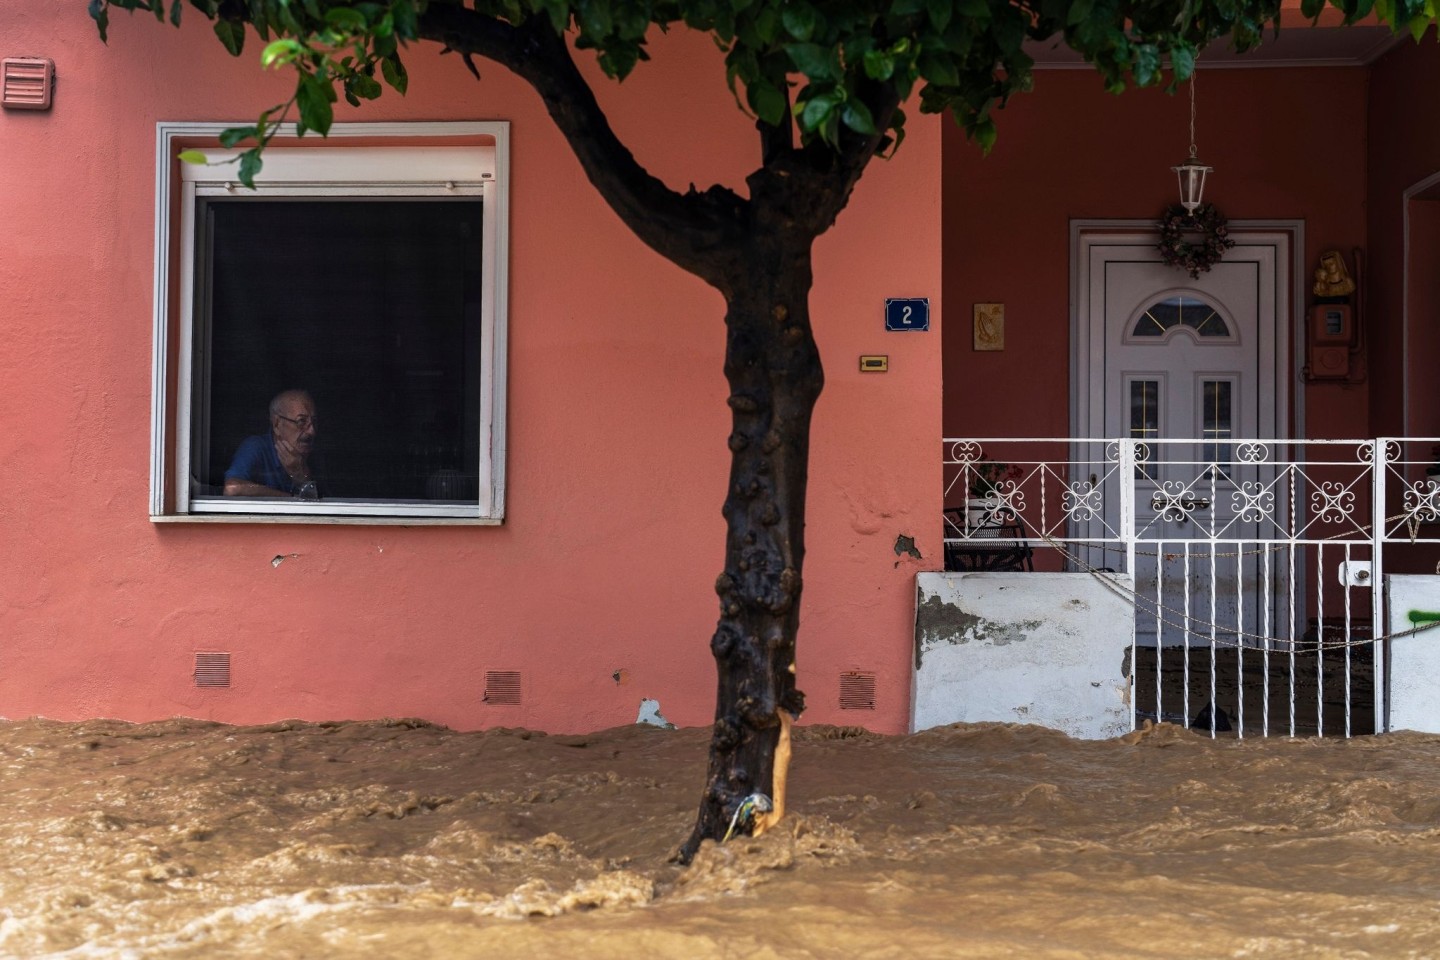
(1199, 255)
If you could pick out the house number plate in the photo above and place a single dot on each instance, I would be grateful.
(911, 313)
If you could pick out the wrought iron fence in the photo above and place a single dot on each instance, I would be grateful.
(1253, 565)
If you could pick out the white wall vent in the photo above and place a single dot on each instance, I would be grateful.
(26, 83)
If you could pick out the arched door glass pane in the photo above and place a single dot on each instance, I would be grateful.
(1180, 311)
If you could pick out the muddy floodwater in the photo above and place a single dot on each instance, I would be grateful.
(400, 839)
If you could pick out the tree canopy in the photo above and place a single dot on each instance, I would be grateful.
(855, 60)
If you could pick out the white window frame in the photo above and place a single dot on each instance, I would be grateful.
(415, 169)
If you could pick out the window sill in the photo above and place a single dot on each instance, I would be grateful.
(354, 520)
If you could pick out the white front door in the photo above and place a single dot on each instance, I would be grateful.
(1164, 357)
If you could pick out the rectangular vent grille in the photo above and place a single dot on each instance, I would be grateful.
(212, 669)
(502, 686)
(27, 83)
(857, 690)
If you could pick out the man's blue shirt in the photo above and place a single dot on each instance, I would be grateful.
(256, 461)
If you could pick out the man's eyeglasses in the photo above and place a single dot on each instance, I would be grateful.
(303, 422)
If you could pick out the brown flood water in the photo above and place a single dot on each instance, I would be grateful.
(401, 839)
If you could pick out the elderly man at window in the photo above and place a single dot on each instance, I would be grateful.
(278, 464)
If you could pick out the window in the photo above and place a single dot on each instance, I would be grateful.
(370, 278)
(1184, 312)
(1144, 423)
(1217, 422)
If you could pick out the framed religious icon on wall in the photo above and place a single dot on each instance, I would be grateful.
(989, 326)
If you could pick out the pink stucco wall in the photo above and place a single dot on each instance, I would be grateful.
(1285, 145)
(617, 424)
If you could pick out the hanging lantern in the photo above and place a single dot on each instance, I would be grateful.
(1191, 173)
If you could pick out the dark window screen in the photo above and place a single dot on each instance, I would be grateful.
(373, 306)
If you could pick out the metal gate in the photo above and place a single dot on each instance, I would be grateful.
(1254, 566)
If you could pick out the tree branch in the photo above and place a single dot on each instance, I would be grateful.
(700, 232)
(810, 185)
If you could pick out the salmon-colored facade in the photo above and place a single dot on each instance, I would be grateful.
(598, 587)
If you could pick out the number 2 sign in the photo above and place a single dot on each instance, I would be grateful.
(911, 313)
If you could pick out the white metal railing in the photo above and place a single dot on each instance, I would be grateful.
(1253, 564)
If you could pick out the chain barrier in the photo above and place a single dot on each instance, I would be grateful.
(1150, 607)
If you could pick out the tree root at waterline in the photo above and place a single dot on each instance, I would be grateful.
(764, 821)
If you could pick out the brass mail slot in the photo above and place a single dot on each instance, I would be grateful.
(874, 364)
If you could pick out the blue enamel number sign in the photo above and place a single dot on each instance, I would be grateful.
(912, 313)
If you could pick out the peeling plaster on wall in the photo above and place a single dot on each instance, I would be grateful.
(282, 557)
(971, 669)
(904, 545)
(938, 622)
(650, 714)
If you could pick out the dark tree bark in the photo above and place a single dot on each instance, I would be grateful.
(756, 252)
(774, 372)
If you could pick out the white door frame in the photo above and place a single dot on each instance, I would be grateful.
(1086, 234)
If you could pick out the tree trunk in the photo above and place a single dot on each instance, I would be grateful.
(775, 377)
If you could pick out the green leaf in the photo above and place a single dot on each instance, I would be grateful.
(767, 102)
(232, 35)
(818, 110)
(1147, 64)
(193, 156)
(366, 88)
(985, 134)
(1080, 12)
(233, 135)
(767, 25)
(857, 117)
(175, 13)
(346, 19)
(879, 65)
(407, 24)
(314, 97)
(250, 164)
(973, 9)
(394, 73)
(280, 52)
(100, 13)
(800, 20)
(813, 60)
(939, 68)
(940, 12)
(1182, 61)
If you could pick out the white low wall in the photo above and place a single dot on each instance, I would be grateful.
(1414, 670)
(1042, 648)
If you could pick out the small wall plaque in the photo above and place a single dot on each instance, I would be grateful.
(989, 326)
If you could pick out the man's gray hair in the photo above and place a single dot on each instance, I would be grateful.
(283, 395)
